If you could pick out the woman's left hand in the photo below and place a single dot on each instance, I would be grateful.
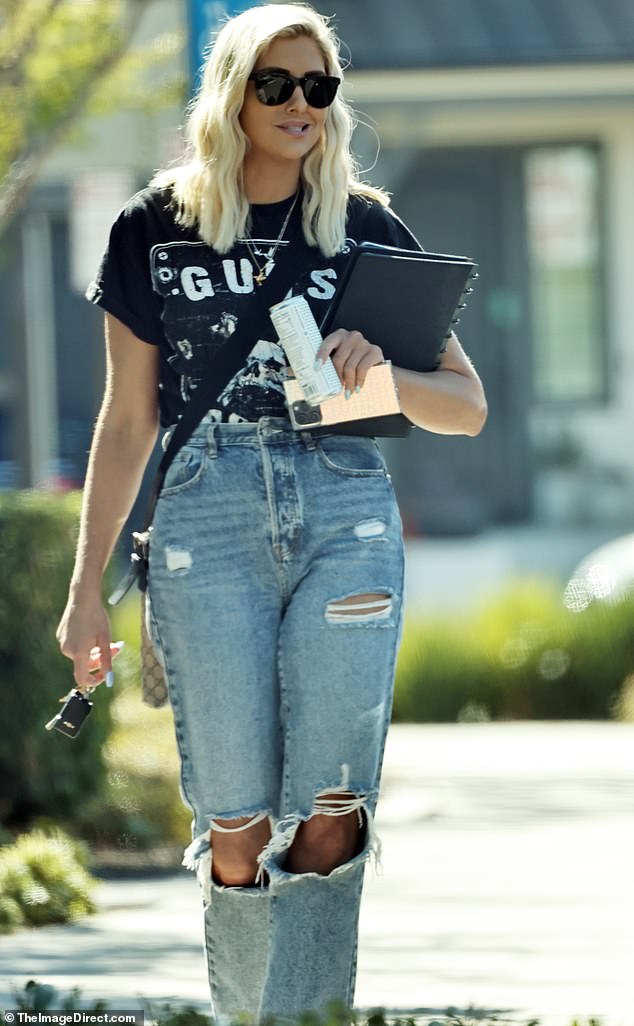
(352, 356)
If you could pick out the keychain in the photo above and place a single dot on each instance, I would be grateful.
(71, 716)
(76, 709)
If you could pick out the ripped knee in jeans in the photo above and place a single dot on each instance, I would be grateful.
(234, 862)
(330, 837)
(339, 830)
(235, 844)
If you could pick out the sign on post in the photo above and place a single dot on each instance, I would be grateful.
(205, 17)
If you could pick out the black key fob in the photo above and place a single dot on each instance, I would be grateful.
(71, 716)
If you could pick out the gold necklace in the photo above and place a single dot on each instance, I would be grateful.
(265, 269)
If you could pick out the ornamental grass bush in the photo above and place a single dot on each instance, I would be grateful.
(115, 785)
(521, 655)
(44, 879)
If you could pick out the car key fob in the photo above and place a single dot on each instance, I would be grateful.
(71, 716)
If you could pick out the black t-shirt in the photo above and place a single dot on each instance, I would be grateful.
(173, 290)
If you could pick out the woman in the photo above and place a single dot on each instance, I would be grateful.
(275, 578)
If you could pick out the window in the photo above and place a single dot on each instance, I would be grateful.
(562, 211)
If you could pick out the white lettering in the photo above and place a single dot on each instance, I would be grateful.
(196, 283)
(83, 1017)
(320, 279)
(231, 275)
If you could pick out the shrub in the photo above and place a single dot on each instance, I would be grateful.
(43, 879)
(117, 783)
(41, 771)
(523, 655)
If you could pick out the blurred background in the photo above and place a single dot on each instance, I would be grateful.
(506, 133)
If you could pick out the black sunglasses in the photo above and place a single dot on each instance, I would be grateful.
(275, 87)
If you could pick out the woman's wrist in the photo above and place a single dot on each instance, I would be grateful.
(85, 587)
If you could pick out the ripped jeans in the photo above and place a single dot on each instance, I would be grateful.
(281, 691)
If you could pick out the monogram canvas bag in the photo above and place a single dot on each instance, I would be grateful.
(153, 683)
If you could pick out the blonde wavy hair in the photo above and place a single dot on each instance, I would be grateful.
(207, 188)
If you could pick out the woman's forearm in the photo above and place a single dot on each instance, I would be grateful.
(442, 401)
(118, 457)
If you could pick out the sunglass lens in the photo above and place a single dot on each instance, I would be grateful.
(321, 90)
(273, 89)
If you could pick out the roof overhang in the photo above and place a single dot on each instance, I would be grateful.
(587, 82)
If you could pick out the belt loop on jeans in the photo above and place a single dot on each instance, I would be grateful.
(307, 439)
(212, 441)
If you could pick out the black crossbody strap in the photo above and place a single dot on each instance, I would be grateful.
(227, 362)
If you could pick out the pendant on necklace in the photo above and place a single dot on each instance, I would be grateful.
(259, 278)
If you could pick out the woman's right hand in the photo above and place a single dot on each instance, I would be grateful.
(125, 433)
(84, 636)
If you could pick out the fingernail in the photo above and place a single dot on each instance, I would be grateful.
(358, 389)
(347, 393)
(109, 679)
(318, 364)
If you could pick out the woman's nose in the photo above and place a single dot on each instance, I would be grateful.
(298, 100)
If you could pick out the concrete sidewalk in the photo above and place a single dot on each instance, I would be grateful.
(507, 887)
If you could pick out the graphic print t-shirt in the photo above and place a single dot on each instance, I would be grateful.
(174, 291)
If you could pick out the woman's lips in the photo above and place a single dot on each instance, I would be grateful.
(294, 128)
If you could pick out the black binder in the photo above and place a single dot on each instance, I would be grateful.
(405, 301)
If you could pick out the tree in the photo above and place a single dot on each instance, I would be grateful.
(60, 59)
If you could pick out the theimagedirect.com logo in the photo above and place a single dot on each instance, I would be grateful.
(60, 1017)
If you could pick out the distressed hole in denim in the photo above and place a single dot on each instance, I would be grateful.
(359, 608)
(227, 826)
(339, 799)
(366, 530)
(332, 801)
(332, 835)
(338, 802)
(235, 844)
(198, 855)
(177, 560)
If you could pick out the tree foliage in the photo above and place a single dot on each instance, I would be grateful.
(60, 59)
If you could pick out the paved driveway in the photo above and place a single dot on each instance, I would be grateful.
(507, 886)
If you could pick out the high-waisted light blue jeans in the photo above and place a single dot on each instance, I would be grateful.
(279, 693)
